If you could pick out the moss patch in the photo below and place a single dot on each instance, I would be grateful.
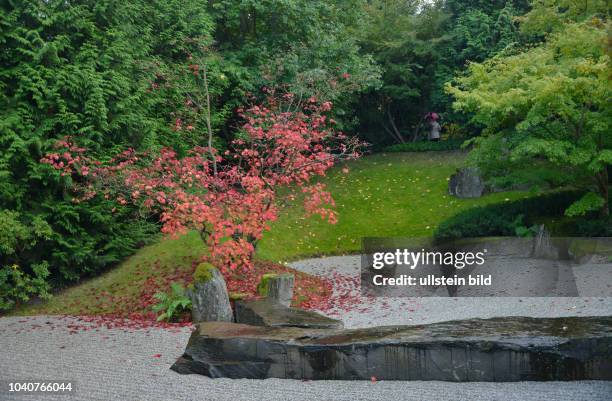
(263, 288)
(203, 273)
(237, 296)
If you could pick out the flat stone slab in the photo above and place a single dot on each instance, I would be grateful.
(498, 349)
(267, 312)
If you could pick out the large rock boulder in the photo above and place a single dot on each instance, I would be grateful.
(499, 349)
(209, 298)
(277, 287)
(466, 183)
(267, 312)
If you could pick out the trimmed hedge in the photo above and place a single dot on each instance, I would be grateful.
(513, 218)
(426, 146)
(594, 228)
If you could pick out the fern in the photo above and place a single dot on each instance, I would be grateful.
(172, 304)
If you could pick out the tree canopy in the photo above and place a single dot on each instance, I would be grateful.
(546, 109)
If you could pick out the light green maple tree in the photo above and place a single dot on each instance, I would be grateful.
(546, 112)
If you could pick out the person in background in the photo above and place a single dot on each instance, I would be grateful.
(434, 131)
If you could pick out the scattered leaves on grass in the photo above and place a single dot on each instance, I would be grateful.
(128, 306)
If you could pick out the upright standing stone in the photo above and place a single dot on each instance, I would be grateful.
(277, 287)
(209, 298)
(466, 183)
(542, 245)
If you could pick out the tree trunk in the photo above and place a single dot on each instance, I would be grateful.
(208, 123)
(602, 184)
(394, 127)
(417, 130)
(391, 133)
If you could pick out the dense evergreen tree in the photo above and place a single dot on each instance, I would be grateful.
(305, 47)
(106, 73)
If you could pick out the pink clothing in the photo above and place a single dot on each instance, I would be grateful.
(432, 116)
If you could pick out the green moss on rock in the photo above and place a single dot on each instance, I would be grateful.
(237, 296)
(203, 273)
(264, 284)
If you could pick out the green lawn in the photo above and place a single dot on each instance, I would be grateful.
(387, 194)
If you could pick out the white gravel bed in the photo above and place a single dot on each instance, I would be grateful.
(382, 311)
(115, 364)
(133, 364)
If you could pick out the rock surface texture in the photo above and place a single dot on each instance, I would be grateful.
(466, 183)
(277, 287)
(266, 312)
(209, 298)
(498, 349)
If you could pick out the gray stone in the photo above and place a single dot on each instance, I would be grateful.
(278, 287)
(466, 183)
(209, 298)
(266, 312)
(498, 349)
(542, 245)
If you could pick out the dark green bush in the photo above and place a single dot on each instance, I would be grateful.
(108, 73)
(505, 219)
(594, 228)
(426, 146)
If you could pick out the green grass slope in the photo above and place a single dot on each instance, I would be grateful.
(103, 294)
(384, 195)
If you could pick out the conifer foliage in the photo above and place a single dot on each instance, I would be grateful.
(107, 72)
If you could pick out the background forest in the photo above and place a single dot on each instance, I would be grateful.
(525, 85)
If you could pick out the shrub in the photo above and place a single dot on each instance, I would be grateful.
(231, 199)
(426, 146)
(505, 219)
(19, 234)
(17, 286)
(594, 228)
(172, 304)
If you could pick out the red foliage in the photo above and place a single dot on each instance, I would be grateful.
(230, 199)
(132, 309)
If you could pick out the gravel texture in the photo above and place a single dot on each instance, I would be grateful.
(115, 364)
(382, 311)
(133, 364)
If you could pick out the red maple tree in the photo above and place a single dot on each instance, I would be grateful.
(230, 198)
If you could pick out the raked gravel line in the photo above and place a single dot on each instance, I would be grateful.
(383, 311)
(118, 364)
